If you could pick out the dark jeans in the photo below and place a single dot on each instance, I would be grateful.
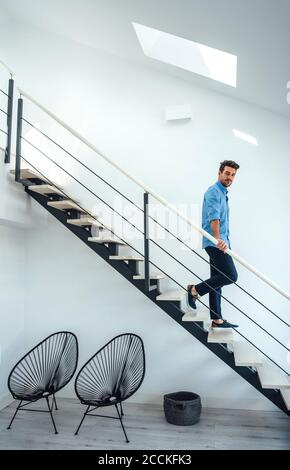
(225, 264)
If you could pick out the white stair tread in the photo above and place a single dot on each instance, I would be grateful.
(286, 397)
(65, 204)
(220, 335)
(246, 355)
(45, 189)
(197, 315)
(126, 258)
(174, 295)
(106, 240)
(271, 377)
(154, 276)
(26, 173)
(84, 221)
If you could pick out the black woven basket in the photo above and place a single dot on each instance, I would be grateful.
(182, 408)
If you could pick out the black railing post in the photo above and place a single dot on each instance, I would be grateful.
(9, 120)
(146, 243)
(18, 139)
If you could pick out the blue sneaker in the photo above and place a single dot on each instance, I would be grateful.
(191, 299)
(224, 324)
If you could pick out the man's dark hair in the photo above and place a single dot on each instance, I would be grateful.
(229, 163)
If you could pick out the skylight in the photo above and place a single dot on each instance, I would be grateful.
(198, 58)
(246, 137)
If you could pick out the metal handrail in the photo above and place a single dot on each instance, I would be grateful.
(7, 68)
(147, 238)
(156, 196)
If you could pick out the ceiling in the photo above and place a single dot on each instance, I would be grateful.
(257, 31)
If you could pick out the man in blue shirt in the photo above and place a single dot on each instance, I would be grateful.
(215, 220)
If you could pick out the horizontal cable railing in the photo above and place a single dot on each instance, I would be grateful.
(81, 207)
(7, 68)
(277, 288)
(163, 271)
(81, 163)
(158, 267)
(157, 244)
(156, 196)
(224, 275)
(139, 208)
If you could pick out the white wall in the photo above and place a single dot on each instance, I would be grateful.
(119, 107)
(12, 277)
(4, 18)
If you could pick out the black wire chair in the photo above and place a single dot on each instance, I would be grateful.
(43, 371)
(111, 376)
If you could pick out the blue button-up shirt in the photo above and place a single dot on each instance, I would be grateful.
(215, 206)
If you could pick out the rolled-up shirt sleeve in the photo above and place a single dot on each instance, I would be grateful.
(213, 206)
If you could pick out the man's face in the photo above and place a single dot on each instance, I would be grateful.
(227, 176)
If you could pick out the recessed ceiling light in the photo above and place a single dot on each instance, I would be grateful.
(188, 55)
(246, 137)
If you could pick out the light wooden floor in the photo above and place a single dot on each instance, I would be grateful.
(147, 429)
